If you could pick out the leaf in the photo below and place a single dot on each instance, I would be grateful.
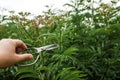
(28, 76)
(70, 5)
(42, 68)
(24, 71)
(70, 51)
(70, 73)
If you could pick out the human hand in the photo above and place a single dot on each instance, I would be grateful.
(8, 54)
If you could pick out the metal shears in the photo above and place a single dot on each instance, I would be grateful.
(38, 51)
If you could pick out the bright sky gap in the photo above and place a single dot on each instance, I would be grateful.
(33, 6)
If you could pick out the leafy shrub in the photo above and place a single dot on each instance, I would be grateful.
(88, 39)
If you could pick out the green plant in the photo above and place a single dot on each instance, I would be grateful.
(88, 39)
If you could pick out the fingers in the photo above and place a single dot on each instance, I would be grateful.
(16, 42)
(8, 49)
(23, 57)
(20, 44)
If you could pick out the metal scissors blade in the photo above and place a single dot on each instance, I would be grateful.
(46, 48)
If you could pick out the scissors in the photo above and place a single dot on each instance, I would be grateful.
(38, 51)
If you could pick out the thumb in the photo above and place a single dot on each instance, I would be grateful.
(23, 57)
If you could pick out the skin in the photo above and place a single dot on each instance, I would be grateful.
(10, 52)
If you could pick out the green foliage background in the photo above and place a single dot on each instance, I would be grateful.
(88, 37)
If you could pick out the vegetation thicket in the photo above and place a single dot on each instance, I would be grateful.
(88, 38)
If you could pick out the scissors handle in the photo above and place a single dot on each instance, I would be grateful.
(38, 50)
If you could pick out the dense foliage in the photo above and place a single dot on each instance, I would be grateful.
(88, 38)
